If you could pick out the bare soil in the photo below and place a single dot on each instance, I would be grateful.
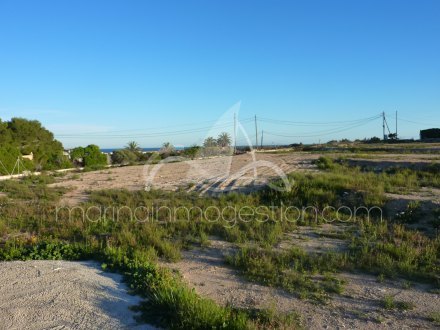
(64, 295)
(213, 175)
(240, 173)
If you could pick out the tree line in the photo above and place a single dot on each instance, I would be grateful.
(35, 148)
(132, 153)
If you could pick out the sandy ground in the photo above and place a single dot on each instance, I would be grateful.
(63, 295)
(206, 176)
(359, 307)
(214, 175)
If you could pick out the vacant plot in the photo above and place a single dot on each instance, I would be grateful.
(241, 173)
(272, 269)
(221, 174)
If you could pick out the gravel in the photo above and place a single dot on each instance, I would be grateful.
(64, 295)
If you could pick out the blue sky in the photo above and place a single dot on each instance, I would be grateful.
(106, 72)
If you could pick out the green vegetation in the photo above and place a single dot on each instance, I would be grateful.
(392, 250)
(390, 303)
(192, 152)
(219, 146)
(90, 156)
(339, 184)
(124, 157)
(435, 318)
(292, 270)
(133, 146)
(20, 137)
(129, 155)
(224, 140)
(31, 188)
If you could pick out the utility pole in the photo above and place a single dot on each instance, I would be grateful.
(235, 134)
(256, 133)
(396, 124)
(261, 145)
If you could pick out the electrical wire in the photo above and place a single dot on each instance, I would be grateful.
(137, 133)
(323, 133)
(302, 123)
(414, 122)
(154, 134)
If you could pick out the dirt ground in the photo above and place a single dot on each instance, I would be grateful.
(240, 173)
(206, 176)
(63, 295)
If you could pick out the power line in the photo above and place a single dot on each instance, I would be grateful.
(160, 127)
(416, 122)
(154, 134)
(303, 123)
(323, 133)
(342, 126)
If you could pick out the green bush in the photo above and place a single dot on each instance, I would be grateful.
(123, 157)
(90, 156)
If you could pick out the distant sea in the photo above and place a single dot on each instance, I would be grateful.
(108, 150)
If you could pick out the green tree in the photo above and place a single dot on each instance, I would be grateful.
(77, 155)
(210, 142)
(224, 140)
(5, 134)
(90, 156)
(133, 146)
(93, 156)
(29, 136)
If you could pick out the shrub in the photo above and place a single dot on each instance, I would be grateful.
(123, 157)
(389, 303)
(90, 156)
(435, 318)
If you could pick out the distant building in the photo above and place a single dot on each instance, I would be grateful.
(432, 133)
(30, 156)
